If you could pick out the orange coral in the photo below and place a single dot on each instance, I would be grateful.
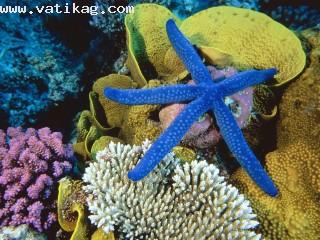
(295, 165)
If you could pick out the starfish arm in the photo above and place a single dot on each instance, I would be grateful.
(159, 95)
(187, 54)
(244, 79)
(169, 138)
(237, 144)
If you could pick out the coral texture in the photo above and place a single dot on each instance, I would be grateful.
(224, 35)
(36, 70)
(21, 232)
(202, 134)
(198, 205)
(71, 209)
(31, 162)
(294, 165)
(202, 97)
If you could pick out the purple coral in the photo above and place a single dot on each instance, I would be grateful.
(31, 163)
(203, 134)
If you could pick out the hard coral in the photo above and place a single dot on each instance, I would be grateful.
(31, 162)
(71, 209)
(21, 232)
(198, 205)
(224, 35)
(251, 38)
(145, 48)
(295, 164)
(139, 123)
(202, 134)
(203, 97)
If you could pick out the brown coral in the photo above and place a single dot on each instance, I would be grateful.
(295, 165)
(138, 124)
(114, 112)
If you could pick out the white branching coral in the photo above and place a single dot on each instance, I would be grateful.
(173, 202)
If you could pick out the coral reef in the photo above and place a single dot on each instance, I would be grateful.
(114, 112)
(258, 42)
(111, 24)
(235, 29)
(202, 97)
(21, 232)
(71, 209)
(294, 165)
(31, 163)
(202, 134)
(139, 122)
(36, 70)
(145, 48)
(198, 205)
(106, 118)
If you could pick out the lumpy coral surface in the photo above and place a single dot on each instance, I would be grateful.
(294, 166)
(31, 162)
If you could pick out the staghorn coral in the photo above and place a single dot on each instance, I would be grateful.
(198, 205)
(294, 165)
(31, 162)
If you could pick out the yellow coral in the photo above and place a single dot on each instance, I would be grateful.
(71, 209)
(185, 154)
(113, 111)
(138, 125)
(99, 234)
(102, 143)
(147, 41)
(224, 35)
(253, 39)
(295, 165)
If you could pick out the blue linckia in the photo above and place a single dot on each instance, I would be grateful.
(206, 95)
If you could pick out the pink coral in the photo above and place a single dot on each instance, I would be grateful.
(203, 134)
(31, 163)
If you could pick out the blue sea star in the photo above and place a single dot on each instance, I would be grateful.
(206, 95)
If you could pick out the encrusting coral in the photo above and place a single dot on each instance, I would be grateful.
(198, 205)
(203, 97)
(294, 165)
(31, 163)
